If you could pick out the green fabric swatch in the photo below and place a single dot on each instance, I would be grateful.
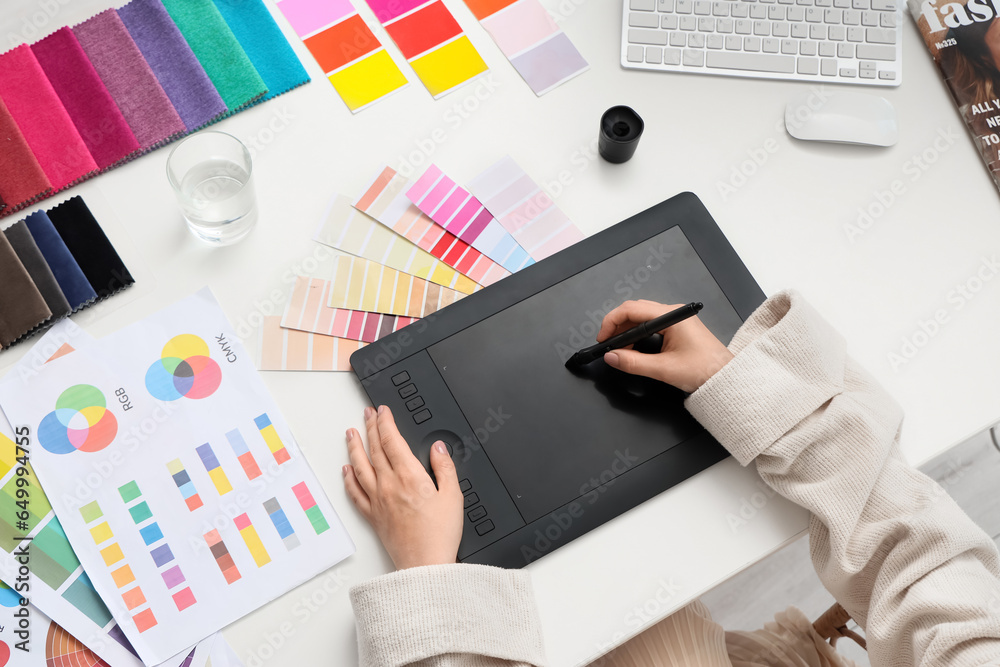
(218, 51)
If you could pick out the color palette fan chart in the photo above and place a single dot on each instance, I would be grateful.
(197, 434)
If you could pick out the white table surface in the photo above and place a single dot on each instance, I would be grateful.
(788, 222)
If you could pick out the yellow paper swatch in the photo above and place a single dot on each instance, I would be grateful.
(449, 66)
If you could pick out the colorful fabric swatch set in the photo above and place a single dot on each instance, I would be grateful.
(411, 249)
(54, 263)
(540, 52)
(89, 98)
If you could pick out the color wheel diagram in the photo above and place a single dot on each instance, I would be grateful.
(64, 650)
(80, 422)
(184, 370)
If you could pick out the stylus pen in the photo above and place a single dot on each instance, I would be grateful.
(634, 335)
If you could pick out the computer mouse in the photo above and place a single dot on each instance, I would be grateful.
(842, 117)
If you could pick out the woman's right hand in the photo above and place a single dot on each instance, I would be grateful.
(690, 355)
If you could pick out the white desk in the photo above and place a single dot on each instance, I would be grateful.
(787, 222)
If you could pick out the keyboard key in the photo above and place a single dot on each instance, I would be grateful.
(848, 72)
(696, 40)
(654, 55)
(807, 47)
(804, 3)
(407, 391)
(824, 3)
(665, 5)
(817, 32)
(415, 403)
(800, 30)
(464, 485)
(693, 58)
(771, 45)
(634, 53)
(888, 19)
(776, 13)
(702, 7)
(845, 50)
(751, 62)
(852, 17)
(828, 67)
(689, 23)
(685, 6)
(789, 46)
(671, 56)
(471, 499)
(796, 14)
(705, 24)
(880, 36)
(876, 52)
(422, 416)
(869, 18)
(739, 10)
(837, 33)
(855, 34)
(779, 29)
(720, 9)
(643, 20)
(751, 44)
(758, 12)
(477, 513)
(669, 22)
(734, 43)
(833, 16)
(484, 527)
(884, 5)
(814, 15)
(860, 4)
(678, 39)
(761, 28)
(642, 5)
(744, 27)
(808, 65)
(652, 37)
(842, 4)
(715, 41)
(887, 75)
(724, 26)
(827, 49)
(867, 74)
(400, 378)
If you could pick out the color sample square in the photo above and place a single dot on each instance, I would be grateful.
(423, 29)
(386, 10)
(123, 576)
(173, 577)
(91, 512)
(522, 25)
(129, 492)
(140, 512)
(112, 554)
(162, 555)
(81, 594)
(144, 620)
(368, 80)
(134, 598)
(451, 65)
(549, 64)
(151, 533)
(483, 8)
(308, 16)
(101, 533)
(184, 599)
(341, 44)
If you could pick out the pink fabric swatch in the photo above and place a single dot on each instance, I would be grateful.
(42, 119)
(22, 179)
(129, 79)
(85, 97)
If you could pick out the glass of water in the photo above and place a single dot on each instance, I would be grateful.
(212, 176)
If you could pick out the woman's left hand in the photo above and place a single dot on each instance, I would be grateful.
(418, 523)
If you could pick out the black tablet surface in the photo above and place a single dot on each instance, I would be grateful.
(545, 454)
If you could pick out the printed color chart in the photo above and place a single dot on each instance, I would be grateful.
(290, 350)
(313, 512)
(385, 200)
(431, 41)
(252, 540)
(281, 523)
(454, 208)
(349, 230)
(524, 210)
(308, 309)
(347, 51)
(215, 471)
(243, 454)
(272, 439)
(540, 52)
(362, 285)
(183, 481)
(222, 557)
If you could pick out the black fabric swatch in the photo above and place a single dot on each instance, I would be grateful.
(90, 247)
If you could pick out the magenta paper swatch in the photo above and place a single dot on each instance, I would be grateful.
(85, 97)
(42, 119)
(129, 79)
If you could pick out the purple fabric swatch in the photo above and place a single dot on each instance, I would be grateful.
(131, 82)
(87, 100)
(183, 78)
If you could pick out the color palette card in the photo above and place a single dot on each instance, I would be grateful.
(309, 309)
(456, 210)
(540, 52)
(360, 69)
(385, 200)
(347, 229)
(176, 387)
(524, 209)
(49, 645)
(431, 41)
(292, 350)
(359, 284)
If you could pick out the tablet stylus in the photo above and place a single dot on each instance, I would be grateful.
(634, 335)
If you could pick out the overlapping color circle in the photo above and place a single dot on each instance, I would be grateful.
(8, 596)
(184, 370)
(81, 421)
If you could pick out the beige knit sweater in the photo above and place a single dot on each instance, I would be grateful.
(890, 545)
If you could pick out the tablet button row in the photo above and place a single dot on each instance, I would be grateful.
(414, 403)
(400, 378)
(422, 416)
(407, 391)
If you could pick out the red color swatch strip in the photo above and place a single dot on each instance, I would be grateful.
(423, 29)
(343, 43)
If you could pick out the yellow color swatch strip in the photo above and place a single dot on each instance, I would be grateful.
(348, 229)
(360, 284)
(220, 480)
(252, 539)
(452, 65)
(101, 533)
(368, 80)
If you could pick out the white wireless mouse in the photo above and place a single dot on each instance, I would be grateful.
(843, 117)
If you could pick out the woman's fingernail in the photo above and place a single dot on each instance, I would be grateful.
(344, 471)
(611, 359)
(348, 434)
(440, 448)
(369, 413)
(382, 409)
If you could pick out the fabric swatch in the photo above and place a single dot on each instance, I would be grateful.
(22, 179)
(129, 80)
(173, 62)
(22, 307)
(87, 100)
(92, 250)
(291, 350)
(218, 51)
(34, 262)
(72, 282)
(271, 54)
(42, 119)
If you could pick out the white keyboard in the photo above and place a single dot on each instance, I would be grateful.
(846, 41)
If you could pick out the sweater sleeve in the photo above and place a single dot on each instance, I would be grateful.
(448, 616)
(890, 545)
